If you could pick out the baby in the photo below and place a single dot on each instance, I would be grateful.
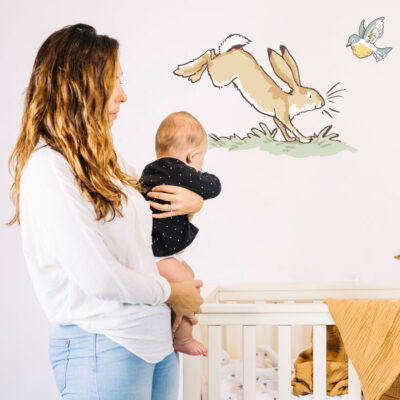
(181, 143)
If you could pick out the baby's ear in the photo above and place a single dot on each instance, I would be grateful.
(189, 158)
(192, 155)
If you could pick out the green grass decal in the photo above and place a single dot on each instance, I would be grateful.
(322, 144)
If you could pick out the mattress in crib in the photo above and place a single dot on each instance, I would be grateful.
(266, 383)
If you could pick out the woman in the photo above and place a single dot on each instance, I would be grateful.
(86, 229)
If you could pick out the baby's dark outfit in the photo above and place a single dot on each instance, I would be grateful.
(171, 235)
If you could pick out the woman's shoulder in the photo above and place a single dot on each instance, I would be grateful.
(44, 157)
(45, 165)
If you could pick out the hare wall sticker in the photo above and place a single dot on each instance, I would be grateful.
(233, 64)
(363, 44)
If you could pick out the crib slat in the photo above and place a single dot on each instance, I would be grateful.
(192, 371)
(214, 362)
(249, 362)
(191, 374)
(284, 362)
(354, 383)
(319, 362)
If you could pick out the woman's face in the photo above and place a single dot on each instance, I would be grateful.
(118, 96)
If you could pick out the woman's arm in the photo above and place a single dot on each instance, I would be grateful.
(185, 300)
(65, 233)
(183, 201)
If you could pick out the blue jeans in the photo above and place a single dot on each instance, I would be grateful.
(90, 366)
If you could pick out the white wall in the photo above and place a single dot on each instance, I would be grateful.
(278, 218)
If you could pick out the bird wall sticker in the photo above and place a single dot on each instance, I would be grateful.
(363, 44)
(231, 63)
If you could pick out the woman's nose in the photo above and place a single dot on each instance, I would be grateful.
(122, 96)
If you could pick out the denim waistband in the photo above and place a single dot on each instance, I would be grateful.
(62, 331)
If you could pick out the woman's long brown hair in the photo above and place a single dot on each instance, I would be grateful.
(66, 104)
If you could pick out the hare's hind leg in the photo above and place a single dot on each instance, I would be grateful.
(195, 68)
(195, 77)
(283, 130)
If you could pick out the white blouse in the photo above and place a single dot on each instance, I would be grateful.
(101, 276)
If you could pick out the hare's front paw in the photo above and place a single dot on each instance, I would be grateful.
(305, 139)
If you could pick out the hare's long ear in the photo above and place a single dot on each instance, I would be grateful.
(281, 68)
(292, 64)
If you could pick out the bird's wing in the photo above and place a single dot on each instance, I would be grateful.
(361, 29)
(374, 30)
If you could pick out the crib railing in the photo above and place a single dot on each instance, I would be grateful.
(285, 311)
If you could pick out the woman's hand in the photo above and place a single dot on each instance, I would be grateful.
(185, 300)
(182, 201)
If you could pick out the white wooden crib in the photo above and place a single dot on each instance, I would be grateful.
(247, 314)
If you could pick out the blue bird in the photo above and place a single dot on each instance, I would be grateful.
(363, 43)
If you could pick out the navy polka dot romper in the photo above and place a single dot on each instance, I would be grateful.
(171, 235)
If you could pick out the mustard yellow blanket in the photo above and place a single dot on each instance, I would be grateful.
(368, 331)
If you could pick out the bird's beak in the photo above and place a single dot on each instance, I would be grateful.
(348, 44)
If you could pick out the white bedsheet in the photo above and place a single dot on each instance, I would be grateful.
(266, 384)
(266, 378)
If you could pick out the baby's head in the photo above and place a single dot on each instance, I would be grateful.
(180, 135)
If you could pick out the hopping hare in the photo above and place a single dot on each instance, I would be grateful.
(235, 65)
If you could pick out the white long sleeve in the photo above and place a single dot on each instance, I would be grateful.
(80, 266)
(67, 222)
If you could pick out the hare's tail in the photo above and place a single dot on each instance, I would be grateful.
(234, 41)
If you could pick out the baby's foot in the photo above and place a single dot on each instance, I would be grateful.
(191, 347)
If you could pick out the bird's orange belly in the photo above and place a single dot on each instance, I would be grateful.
(362, 51)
